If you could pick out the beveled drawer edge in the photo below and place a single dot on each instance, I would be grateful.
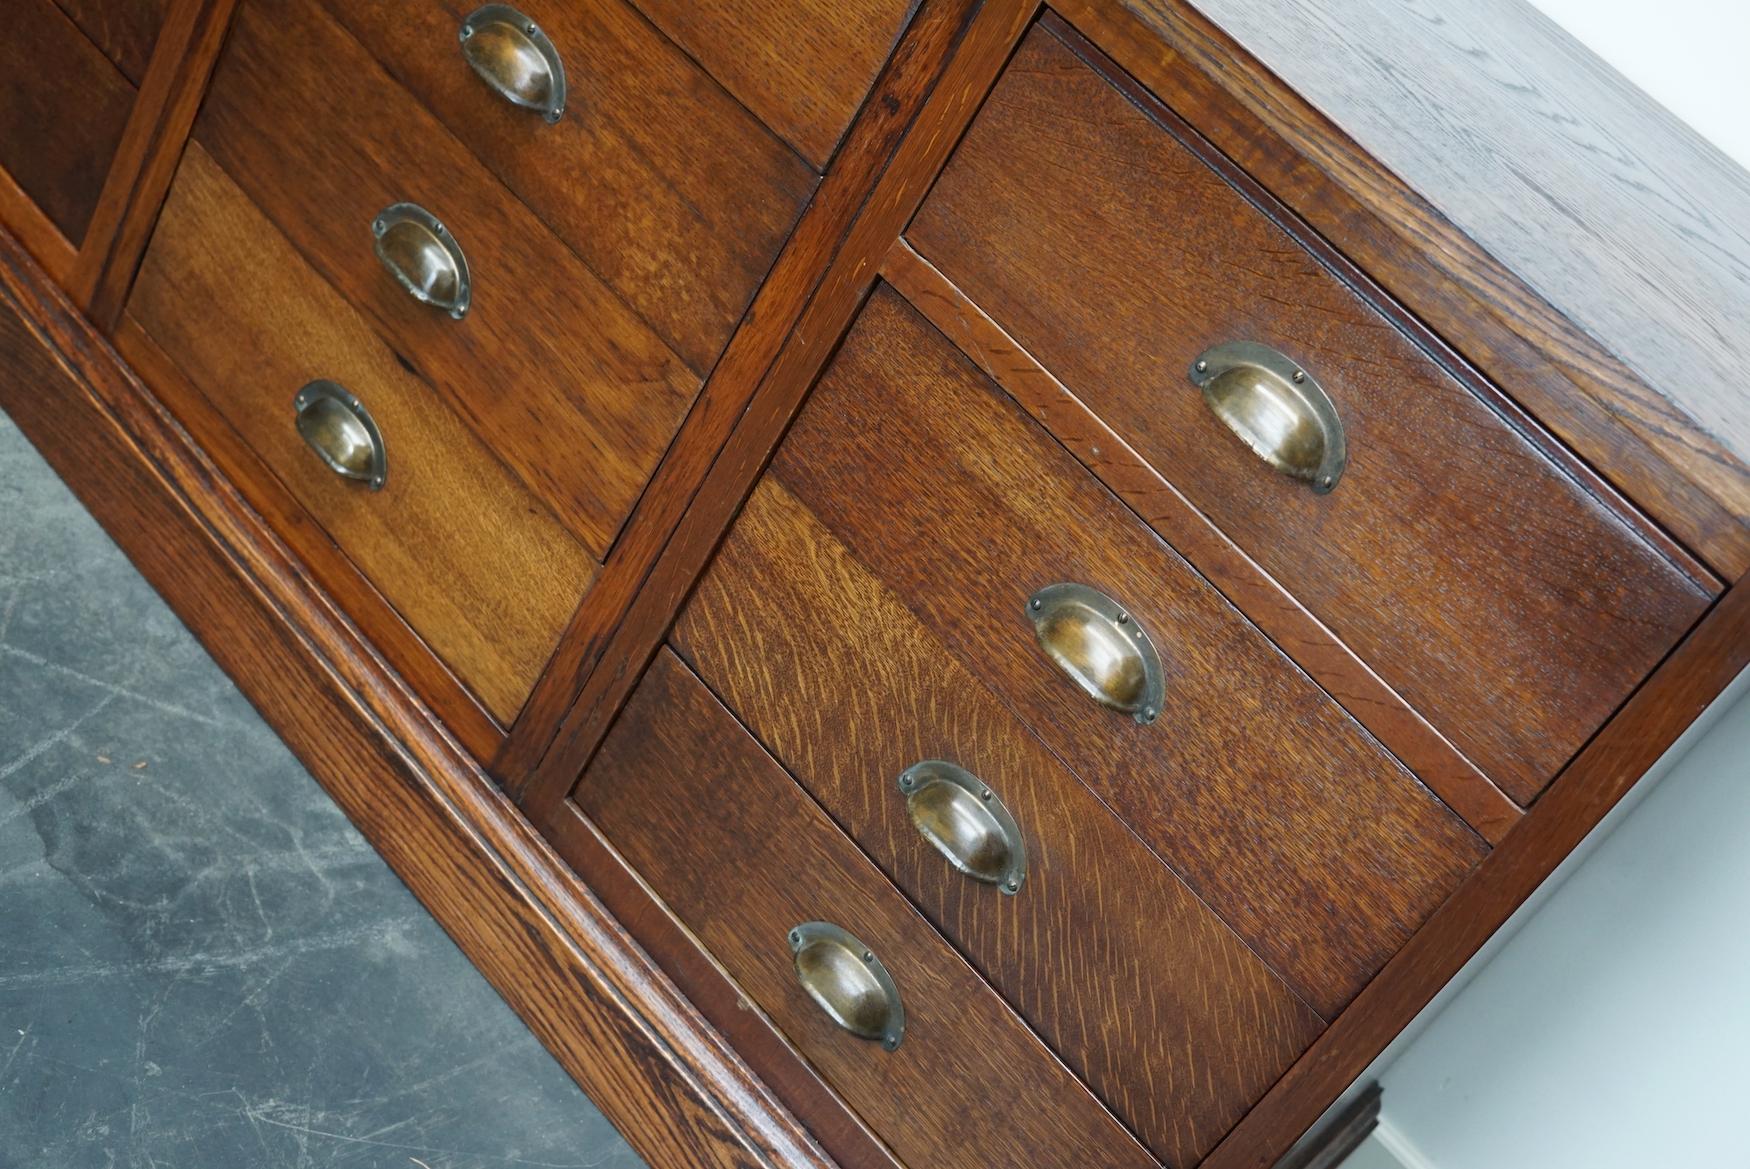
(1262, 601)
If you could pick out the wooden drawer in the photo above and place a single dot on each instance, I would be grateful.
(804, 66)
(1172, 1020)
(1482, 574)
(560, 378)
(670, 190)
(472, 562)
(723, 836)
(915, 484)
(63, 106)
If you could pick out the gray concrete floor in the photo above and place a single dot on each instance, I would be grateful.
(202, 964)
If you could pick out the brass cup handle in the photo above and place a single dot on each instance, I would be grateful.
(965, 821)
(1101, 647)
(1276, 408)
(424, 257)
(848, 982)
(513, 56)
(342, 432)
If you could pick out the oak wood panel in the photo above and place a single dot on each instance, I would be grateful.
(1492, 591)
(898, 144)
(34, 230)
(460, 710)
(804, 67)
(1700, 668)
(182, 61)
(1261, 793)
(1162, 1010)
(558, 376)
(1602, 200)
(1300, 635)
(969, 1085)
(476, 565)
(609, 1016)
(670, 191)
(125, 30)
(62, 110)
(1570, 379)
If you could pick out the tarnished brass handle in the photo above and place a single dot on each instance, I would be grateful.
(424, 257)
(342, 432)
(848, 982)
(1276, 408)
(512, 55)
(963, 819)
(1100, 646)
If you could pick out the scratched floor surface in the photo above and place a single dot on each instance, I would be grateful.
(202, 964)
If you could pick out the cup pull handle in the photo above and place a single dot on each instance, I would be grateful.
(1276, 408)
(513, 56)
(848, 982)
(423, 256)
(965, 821)
(342, 432)
(1102, 648)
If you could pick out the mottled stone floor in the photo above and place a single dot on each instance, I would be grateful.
(202, 964)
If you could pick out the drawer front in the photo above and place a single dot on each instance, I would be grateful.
(1494, 592)
(474, 564)
(1292, 824)
(559, 377)
(667, 187)
(1167, 1016)
(124, 30)
(63, 106)
(723, 836)
(803, 66)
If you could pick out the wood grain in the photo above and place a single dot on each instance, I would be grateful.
(1713, 654)
(556, 374)
(615, 1023)
(1259, 791)
(125, 30)
(440, 690)
(1484, 585)
(455, 543)
(970, 1085)
(1165, 1013)
(803, 67)
(1441, 81)
(62, 111)
(1253, 591)
(897, 145)
(669, 190)
(146, 161)
(34, 230)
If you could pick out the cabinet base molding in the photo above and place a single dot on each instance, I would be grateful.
(616, 1023)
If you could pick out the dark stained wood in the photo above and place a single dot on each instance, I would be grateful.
(970, 1085)
(1692, 677)
(662, 935)
(804, 67)
(670, 191)
(439, 688)
(899, 139)
(1261, 793)
(61, 114)
(125, 30)
(1163, 1011)
(557, 375)
(1298, 633)
(1524, 157)
(606, 648)
(1490, 589)
(39, 236)
(611, 1018)
(456, 544)
(147, 159)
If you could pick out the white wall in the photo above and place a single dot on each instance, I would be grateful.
(1612, 1031)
